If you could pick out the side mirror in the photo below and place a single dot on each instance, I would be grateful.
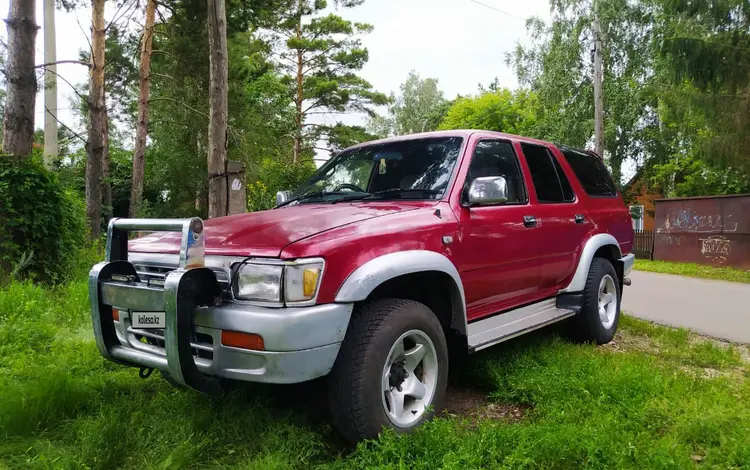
(488, 190)
(283, 196)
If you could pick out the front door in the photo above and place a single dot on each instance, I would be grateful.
(497, 255)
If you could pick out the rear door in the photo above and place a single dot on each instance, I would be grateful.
(560, 217)
(604, 207)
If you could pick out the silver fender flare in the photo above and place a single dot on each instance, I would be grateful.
(578, 283)
(366, 278)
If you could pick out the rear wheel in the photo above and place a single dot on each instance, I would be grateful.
(392, 370)
(600, 314)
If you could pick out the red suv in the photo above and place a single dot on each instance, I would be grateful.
(395, 259)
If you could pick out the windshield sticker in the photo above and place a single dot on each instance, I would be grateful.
(381, 167)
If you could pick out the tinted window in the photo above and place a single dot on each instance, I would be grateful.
(550, 182)
(496, 158)
(591, 172)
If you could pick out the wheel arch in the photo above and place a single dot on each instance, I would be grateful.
(396, 273)
(601, 245)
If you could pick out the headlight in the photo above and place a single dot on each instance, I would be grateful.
(262, 282)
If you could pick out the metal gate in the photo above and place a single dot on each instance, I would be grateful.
(707, 230)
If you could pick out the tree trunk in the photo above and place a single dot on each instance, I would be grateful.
(96, 122)
(299, 95)
(218, 200)
(139, 151)
(18, 119)
(598, 93)
(106, 182)
(50, 86)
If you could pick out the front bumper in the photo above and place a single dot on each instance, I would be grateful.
(300, 343)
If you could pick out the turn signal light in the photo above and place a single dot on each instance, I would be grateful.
(310, 281)
(236, 339)
(115, 314)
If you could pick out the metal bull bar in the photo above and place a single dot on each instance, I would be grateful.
(115, 282)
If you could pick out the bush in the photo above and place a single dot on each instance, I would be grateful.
(275, 175)
(41, 223)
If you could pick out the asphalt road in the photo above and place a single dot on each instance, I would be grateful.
(714, 308)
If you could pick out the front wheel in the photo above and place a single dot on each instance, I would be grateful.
(392, 370)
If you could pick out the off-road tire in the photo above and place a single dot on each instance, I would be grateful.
(586, 325)
(354, 388)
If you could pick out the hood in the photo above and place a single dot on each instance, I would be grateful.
(266, 233)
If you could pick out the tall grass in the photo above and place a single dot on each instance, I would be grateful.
(647, 404)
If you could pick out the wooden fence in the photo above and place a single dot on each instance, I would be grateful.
(643, 244)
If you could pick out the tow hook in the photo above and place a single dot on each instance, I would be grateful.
(626, 281)
(145, 372)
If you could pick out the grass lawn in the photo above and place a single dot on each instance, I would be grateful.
(655, 398)
(693, 270)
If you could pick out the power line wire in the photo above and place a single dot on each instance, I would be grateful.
(498, 10)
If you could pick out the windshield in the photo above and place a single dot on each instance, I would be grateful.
(408, 169)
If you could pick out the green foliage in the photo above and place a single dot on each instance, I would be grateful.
(419, 107)
(704, 52)
(557, 66)
(260, 119)
(41, 222)
(63, 406)
(274, 176)
(512, 112)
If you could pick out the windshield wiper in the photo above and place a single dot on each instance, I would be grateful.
(311, 195)
(387, 192)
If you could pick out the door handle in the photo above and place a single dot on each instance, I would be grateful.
(529, 221)
(579, 218)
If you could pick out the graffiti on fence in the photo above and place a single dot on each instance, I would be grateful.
(706, 230)
(716, 248)
(673, 239)
(690, 220)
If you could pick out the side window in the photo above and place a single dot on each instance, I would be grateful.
(496, 158)
(550, 182)
(591, 172)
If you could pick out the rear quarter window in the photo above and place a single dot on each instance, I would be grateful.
(591, 172)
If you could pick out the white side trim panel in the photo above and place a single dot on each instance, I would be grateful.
(578, 283)
(373, 273)
(493, 330)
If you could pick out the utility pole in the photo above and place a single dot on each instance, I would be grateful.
(50, 86)
(598, 95)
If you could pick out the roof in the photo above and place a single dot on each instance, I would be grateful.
(464, 133)
(631, 181)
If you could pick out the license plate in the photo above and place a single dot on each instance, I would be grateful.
(148, 319)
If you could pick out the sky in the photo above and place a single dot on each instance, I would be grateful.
(459, 42)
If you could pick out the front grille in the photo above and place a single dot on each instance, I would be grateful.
(153, 274)
(202, 343)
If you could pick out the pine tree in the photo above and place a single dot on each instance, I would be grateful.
(321, 58)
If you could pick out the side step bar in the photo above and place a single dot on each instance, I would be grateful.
(508, 325)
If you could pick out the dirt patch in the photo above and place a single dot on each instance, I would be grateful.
(468, 403)
(625, 341)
